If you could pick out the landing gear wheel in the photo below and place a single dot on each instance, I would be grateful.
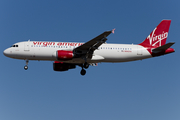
(83, 72)
(25, 67)
(86, 65)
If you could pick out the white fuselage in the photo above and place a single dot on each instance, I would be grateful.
(35, 50)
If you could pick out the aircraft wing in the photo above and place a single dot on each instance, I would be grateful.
(89, 47)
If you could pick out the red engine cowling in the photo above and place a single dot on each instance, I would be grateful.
(60, 66)
(64, 55)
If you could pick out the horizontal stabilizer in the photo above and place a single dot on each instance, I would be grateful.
(163, 48)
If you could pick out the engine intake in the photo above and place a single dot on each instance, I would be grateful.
(60, 66)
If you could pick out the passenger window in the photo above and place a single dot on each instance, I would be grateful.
(16, 45)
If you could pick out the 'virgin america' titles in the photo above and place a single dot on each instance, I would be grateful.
(68, 44)
(157, 38)
(58, 44)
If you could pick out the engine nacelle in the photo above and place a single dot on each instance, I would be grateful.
(64, 55)
(60, 66)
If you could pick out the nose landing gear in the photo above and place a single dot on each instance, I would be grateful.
(26, 66)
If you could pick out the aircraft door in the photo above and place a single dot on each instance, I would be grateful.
(26, 46)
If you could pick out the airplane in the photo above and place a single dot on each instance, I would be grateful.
(68, 55)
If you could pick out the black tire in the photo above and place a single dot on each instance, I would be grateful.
(83, 72)
(25, 67)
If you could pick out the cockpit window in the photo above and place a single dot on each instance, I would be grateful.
(14, 46)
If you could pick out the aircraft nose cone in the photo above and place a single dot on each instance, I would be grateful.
(6, 52)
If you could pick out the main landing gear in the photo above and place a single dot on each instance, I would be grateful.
(83, 71)
(26, 66)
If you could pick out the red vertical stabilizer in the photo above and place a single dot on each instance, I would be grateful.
(158, 36)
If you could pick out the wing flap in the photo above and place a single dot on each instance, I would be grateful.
(97, 57)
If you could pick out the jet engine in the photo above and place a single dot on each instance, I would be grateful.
(64, 55)
(60, 66)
